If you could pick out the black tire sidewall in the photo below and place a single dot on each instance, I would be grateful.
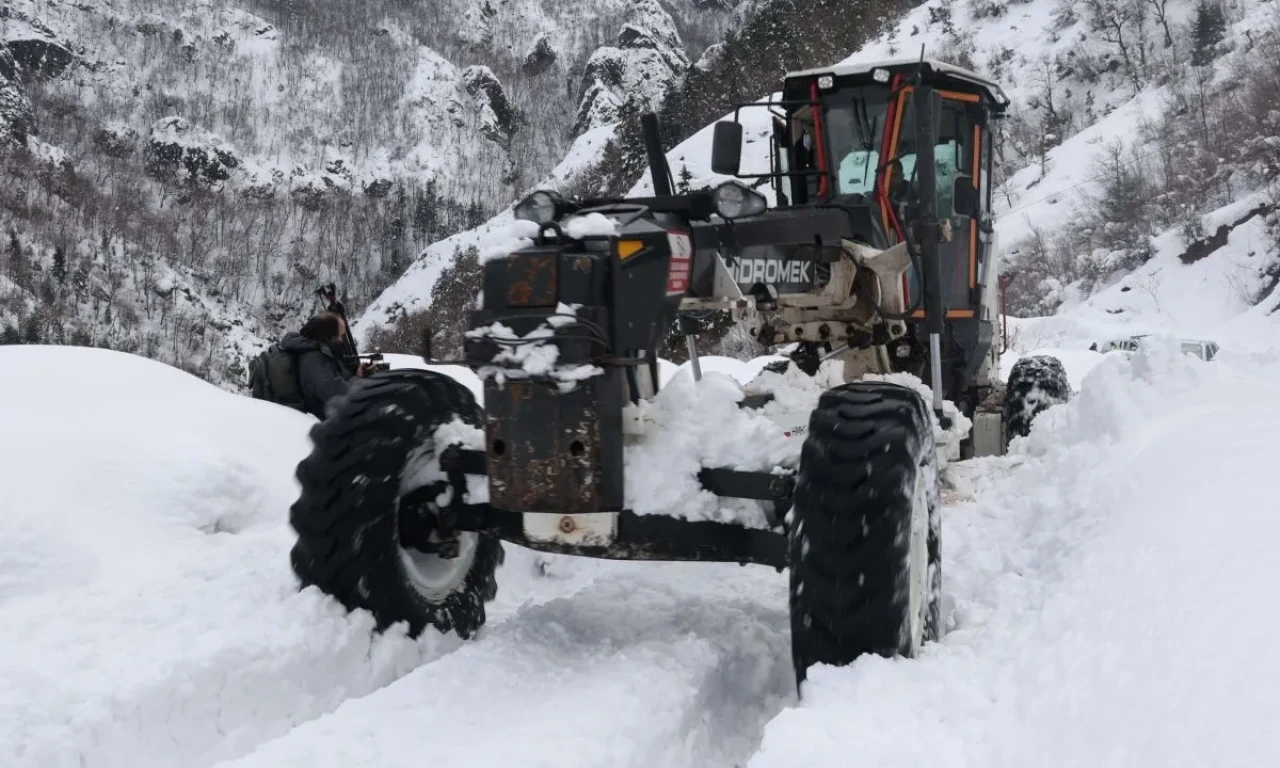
(347, 514)
(1041, 375)
(849, 534)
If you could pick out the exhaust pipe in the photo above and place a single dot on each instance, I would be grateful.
(658, 169)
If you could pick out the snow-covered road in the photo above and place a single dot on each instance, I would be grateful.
(671, 666)
(1107, 584)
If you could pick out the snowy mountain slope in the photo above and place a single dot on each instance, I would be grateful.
(1091, 573)
(241, 152)
(618, 82)
(1214, 298)
(312, 111)
(1033, 49)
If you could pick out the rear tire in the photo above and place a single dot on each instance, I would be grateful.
(865, 532)
(1035, 384)
(348, 518)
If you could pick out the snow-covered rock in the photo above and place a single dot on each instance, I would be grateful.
(16, 117)
(184, 151)
(451, 109)
(34, 45)
(635, 75)
(498, 119)
(540, 56)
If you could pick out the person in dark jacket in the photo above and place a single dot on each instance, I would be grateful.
(318, 354)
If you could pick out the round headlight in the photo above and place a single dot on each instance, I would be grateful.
(540, 207)
(732, 201)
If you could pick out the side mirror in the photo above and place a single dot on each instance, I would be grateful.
(964, 197)
(726, 148)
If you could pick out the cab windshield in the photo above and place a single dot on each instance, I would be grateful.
(853, 134)
(854, 126)
(856, 120)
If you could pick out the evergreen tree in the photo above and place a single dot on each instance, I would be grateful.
(60, 265)
(10, 335)
(426, 216)
(1207, 30)
(15, 252)
(474, 214)
(685, 177)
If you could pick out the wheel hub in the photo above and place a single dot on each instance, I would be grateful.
(436, 559)
(436, 577)
(420, 530)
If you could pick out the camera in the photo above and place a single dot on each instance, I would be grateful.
(376, 359)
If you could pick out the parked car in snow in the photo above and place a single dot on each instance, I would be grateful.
(1201, 348)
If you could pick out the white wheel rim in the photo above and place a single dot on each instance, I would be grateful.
(434, 577)
(918, 562)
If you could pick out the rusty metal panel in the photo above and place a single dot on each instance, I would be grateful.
(543, 447)
(531, 279)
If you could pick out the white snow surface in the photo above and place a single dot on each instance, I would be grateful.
(148, 614)
(1095, 581)
(693, 424)
(590, 225)
(742, 371)
(690, 425)
(1091, 578)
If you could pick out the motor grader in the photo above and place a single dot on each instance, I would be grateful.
(877, 252)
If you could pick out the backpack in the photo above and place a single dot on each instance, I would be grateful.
(273, 376)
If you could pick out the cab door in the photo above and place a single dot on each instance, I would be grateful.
(959, 154)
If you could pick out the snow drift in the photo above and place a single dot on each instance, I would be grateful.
(148, 613)
(1103, 593)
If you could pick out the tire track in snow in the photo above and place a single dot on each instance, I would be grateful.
(651, 664)
(221, 655)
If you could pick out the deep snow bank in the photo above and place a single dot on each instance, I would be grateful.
(1107, 590)
(148, 614)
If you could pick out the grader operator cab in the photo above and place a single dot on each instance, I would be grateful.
(879, 252)
(845, 144)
